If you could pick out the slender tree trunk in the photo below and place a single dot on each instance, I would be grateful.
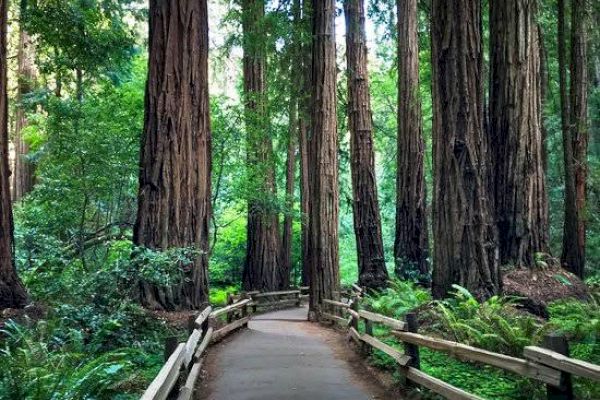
(576, 139)
(24, 170)
(288, 220)
(464, 234)
(260, 269)
(372, 271)
(411, 243)
(521, 203)
(12, 292)
(174, 201)
(543, 92)
(323, 162)
(304, 111)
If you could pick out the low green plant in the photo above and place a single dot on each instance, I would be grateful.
(398, 298)
(494, 324)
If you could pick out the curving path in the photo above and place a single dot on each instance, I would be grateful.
(282, 356)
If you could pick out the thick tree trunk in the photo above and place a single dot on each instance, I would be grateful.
(260, 269)
(323, 162)
(372, 271)
(521, 204)
(575, 141)
(12, 292)
(304, 111)
(24, 170)
(543, 92)
(174, 202)
(464, 234)
(411, 243)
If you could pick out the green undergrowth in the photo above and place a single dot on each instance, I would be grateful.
(495, 325)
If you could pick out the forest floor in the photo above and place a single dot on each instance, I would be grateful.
(283, 356)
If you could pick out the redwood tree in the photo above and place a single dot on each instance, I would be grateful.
(575, 135)
(521, 204)
(463, 228)
(24, 170)
(260, 269)
(12, 292)
(372, 272)
(410, 246)
(175, 162)
(323, 162)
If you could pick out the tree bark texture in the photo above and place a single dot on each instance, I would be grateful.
(372, 272)
(465, 250)
(411, 242)
(12, 292)
(521, 202)
(576, 144)
(174, 201)
(23, 173)
(261, 266)
(323, 162)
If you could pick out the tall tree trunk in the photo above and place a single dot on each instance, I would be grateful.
(24, 170)
(464, 234)
(411, 243)
(372, 271)
(543, 92)
(12, 292)
(521, 203)
(323, 162)
(304, 111)
(260, 269)
(576, 142)
(288, 221)
(174, 202)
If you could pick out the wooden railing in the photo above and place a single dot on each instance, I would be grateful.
(550, 365)
(183, 361)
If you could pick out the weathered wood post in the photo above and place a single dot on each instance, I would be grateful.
(369, 331)
(229, 313)
(245, 306)
(558, 343)
(171, 344)
(298, 299)
(191, 323)
(355, 306)
(412, 350)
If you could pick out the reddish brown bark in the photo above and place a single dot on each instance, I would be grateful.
(304, 111)
(521, 203)
(410, 246)
(24, 170)
(372, 271)
(575, 138)
(323, 162)
(260, 269)
(463, 230)
(175, 163)
(12, 292)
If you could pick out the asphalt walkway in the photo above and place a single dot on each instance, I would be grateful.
(282, 356)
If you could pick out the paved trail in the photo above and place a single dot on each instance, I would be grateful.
(281, 356)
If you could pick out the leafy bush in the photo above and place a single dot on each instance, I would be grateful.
(494, 325)
(398, 298)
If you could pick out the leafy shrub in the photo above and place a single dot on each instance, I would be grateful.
(398, 298)
(494, 325)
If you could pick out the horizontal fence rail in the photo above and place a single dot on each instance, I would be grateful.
(178, 376)
(549, 365)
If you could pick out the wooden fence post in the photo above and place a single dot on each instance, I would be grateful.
(191, 323)
(355, 306)
(369, 331)
(171, 344)
(558, 343)
(412, 350)
(230, 313)
(298, 299)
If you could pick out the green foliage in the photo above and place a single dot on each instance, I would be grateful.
(398, 298)
(494, 324)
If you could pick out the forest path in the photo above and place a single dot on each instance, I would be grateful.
(283, 356)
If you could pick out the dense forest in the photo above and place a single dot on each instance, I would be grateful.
(158, 156)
